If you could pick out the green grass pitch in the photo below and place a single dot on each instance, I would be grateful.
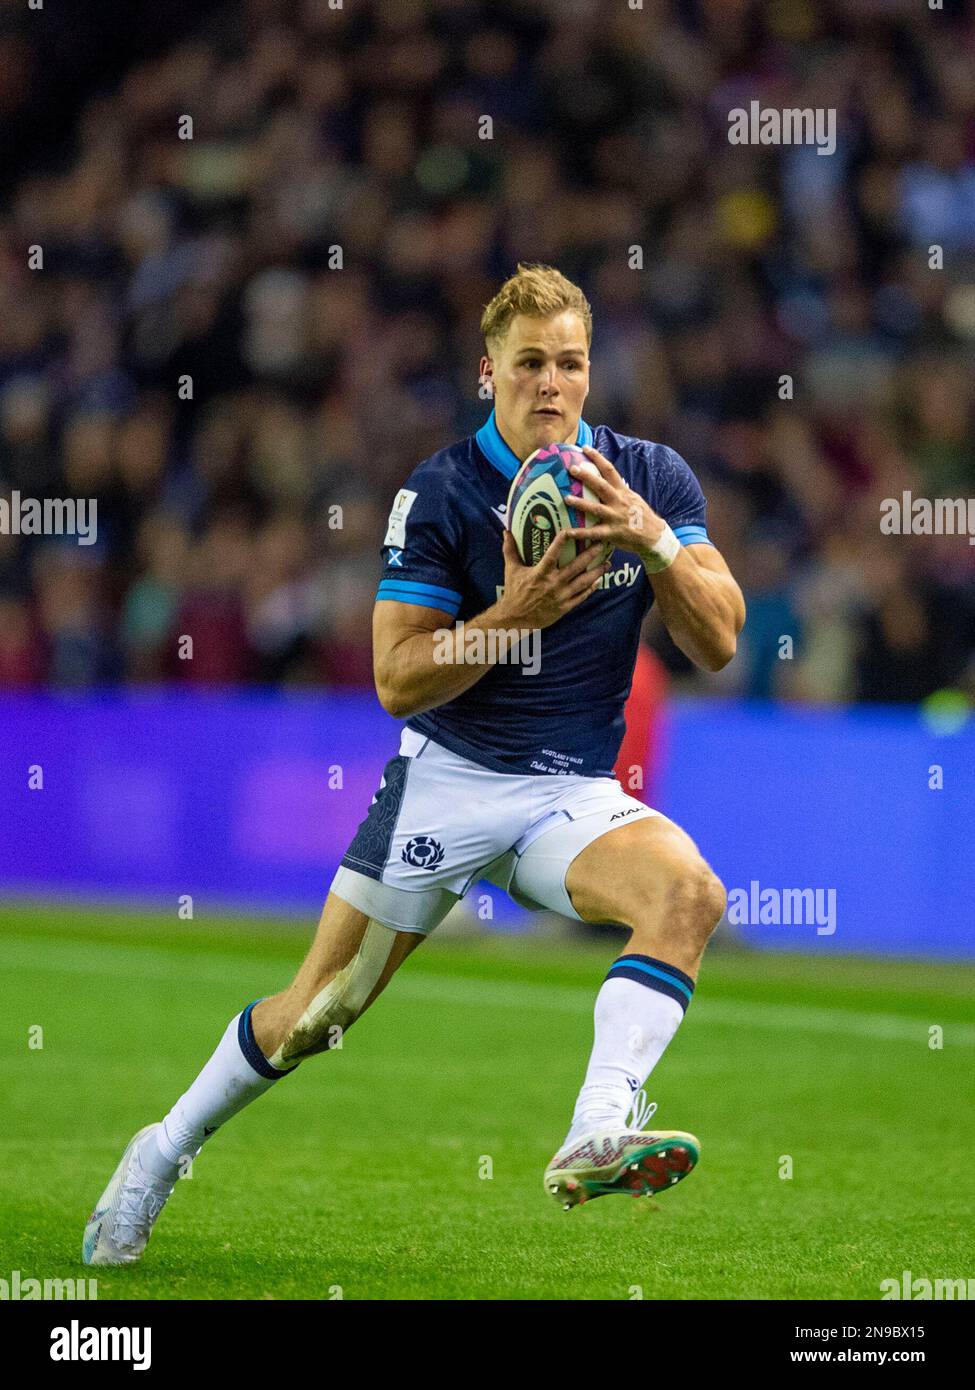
(408, 1164)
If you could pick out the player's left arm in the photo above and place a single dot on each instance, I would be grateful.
(701, 604)
(702, 607)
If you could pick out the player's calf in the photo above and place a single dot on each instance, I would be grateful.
(650, 877)
(314, 1013)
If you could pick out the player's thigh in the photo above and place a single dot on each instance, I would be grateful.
(574, 812)
(639, 871)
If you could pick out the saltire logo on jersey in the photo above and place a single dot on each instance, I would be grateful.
(423, 852)
(395, 559)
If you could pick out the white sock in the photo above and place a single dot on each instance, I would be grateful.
(637, 1013)
(237, 1073)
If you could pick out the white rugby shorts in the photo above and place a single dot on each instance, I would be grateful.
(440, 822)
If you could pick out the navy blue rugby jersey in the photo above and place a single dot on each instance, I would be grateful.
(561, 713)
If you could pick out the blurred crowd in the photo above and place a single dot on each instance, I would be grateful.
(243, 399)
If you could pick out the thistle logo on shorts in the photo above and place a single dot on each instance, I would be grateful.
(423, 852)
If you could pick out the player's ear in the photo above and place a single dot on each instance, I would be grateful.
(486, 380)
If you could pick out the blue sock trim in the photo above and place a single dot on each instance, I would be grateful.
(656, 975)
(251, 1051)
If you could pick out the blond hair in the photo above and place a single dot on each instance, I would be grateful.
(538, 291)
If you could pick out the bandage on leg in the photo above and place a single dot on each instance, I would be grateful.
(339, 1004)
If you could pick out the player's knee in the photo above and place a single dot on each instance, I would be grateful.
(696, 897)
(714, 897)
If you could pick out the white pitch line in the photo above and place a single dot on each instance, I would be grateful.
(151, 963)
(730, 1013)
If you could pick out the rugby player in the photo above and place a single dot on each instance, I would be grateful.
(505, 769)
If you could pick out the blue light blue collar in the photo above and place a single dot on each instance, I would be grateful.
(496, 451)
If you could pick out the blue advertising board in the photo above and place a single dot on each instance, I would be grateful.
(834, 830)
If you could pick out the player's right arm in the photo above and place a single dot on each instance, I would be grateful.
(415, 669)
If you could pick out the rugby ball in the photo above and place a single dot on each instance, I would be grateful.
(540, 505)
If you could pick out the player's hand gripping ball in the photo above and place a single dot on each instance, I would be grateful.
(540, 505)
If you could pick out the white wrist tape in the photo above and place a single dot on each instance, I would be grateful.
(663, 552)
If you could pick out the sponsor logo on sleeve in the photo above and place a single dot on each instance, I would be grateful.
(396, 526)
